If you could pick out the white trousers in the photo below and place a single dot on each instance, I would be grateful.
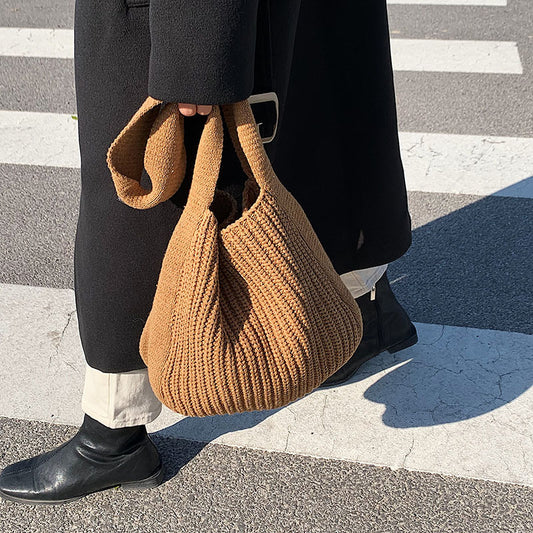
(126, 398)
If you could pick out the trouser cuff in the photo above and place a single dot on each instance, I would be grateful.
(120, 399)
(360, 282)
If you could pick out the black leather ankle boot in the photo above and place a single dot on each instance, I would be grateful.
(386, 327)
(96, 458)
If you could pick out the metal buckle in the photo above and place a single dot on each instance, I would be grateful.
(266, 97)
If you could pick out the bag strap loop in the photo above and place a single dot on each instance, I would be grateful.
(247, 142)
(152, 139)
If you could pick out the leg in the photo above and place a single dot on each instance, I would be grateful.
(386, 324)
(118, 251)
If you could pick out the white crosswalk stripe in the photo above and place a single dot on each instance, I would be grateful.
(36, 42)
(437, 55)
(32, 138)
(498, 3)
(468, 164)
(407, 54)
(428, 408)
(445, 163)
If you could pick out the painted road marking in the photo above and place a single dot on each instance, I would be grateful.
(37, 42)
(433, 55)
(407, 54)
(433, 162)
(429, 408)
(33, 138)
(450, 2)
(468, 164)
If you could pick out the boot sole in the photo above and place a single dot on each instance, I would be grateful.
(148, 483)
(402, 345)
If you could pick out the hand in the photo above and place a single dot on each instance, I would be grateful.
(191, 109)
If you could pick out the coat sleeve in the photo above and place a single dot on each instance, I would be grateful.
(202, 51)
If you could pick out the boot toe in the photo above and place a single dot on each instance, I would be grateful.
(19, 466)
(16, 481)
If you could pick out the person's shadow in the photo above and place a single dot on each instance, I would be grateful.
(453, 373)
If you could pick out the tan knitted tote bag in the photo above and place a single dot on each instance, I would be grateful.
(249, 313)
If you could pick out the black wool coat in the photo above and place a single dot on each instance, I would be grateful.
(336, 147)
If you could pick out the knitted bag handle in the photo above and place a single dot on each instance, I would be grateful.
(153, 139)
(248, 145)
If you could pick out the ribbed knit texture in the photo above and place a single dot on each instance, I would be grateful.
(152, 139)
(249, 313)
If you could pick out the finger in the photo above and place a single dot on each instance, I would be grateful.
(187, 109)
(204, 109)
